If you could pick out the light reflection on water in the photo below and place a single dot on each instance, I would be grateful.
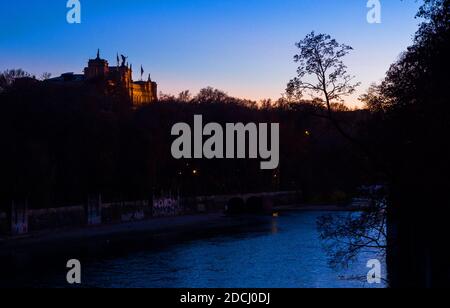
(281, 252)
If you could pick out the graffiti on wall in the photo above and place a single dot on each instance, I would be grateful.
(19, 218)
(94, 210)
(167, 206)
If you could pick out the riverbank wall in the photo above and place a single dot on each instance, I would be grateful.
(19, 220)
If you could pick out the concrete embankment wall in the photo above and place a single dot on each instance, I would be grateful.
(96, 212)
(3, 223)
(77, 216)
(219, 202)
(80, 216)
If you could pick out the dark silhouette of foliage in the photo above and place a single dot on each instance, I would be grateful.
(8, 77)
(409, 129)
(346, 235)
(321, 73)
(63, 143)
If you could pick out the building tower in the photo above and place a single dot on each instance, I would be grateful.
(97, 68)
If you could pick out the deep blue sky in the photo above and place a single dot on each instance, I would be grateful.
(244, 47)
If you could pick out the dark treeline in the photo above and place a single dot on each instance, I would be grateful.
(412, 120)
(408, 144)
(60, 144)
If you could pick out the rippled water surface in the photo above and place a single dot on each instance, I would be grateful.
(278, 252)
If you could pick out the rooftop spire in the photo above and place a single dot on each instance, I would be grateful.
(98, 53)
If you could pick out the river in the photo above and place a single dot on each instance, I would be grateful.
(282, 252)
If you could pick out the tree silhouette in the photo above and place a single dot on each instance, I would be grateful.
(410, 120)
(8, 77)
(322, 72)
(185, 96)
(46, 76)
(346, 235)
(211, 95)
(323, 76)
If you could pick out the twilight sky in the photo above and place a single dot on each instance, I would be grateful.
(244, 47)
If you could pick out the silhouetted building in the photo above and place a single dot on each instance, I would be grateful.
(120, 76)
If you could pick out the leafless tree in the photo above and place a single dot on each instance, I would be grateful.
(46, 76)
(345, 236)
(7, 77)
(323, 76)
